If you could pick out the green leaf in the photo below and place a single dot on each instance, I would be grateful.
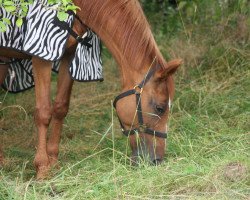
(24, 9)
(10, 8)
(8, 3)
(19, 22)
(65, 2)
(62, 16)
(51, 2)
(6, 21)
(3, 27)
(25, 4)
(72, 7)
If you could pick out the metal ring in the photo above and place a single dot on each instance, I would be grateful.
(140, 89)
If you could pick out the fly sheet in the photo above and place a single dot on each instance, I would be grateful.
(41, 35)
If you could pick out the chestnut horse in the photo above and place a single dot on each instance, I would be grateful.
(124, 29)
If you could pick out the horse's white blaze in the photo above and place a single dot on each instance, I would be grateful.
(169, 103)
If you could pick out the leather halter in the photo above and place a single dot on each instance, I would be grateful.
(137, 91)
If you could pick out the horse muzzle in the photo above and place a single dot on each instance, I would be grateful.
(145, 153)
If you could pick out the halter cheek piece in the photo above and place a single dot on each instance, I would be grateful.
(137, 90)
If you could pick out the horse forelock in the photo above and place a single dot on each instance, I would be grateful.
(126, 25)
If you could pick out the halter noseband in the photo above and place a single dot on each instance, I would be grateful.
(137, 90)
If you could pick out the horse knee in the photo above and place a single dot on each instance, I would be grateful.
(43, 116)
(60, 109)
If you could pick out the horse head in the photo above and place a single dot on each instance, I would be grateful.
(143, 112)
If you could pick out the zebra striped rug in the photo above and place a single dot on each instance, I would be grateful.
(40, 36)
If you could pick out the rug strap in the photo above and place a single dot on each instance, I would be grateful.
(65, 26)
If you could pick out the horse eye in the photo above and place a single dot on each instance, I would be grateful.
(160, 109)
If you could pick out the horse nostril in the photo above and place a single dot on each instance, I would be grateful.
(157, 161)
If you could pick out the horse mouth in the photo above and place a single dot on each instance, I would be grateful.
(137, 160)
(157, 161)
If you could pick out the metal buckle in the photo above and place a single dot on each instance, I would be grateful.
(138, 90)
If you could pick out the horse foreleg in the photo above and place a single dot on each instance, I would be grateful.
(3, 73)
(42, 77)
(60, 109)
(3, 70)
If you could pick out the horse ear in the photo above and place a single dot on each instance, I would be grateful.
(170, 68)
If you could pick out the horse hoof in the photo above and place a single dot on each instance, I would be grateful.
(54, 164)
(42, 173)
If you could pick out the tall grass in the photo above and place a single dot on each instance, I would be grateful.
(208, 145)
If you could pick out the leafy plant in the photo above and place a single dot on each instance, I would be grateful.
(168, 16)
(19, 9)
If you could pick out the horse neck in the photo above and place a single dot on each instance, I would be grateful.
(124, 29)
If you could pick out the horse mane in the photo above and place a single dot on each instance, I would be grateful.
(128, 25)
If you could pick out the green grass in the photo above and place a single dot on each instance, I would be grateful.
(208, 145)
